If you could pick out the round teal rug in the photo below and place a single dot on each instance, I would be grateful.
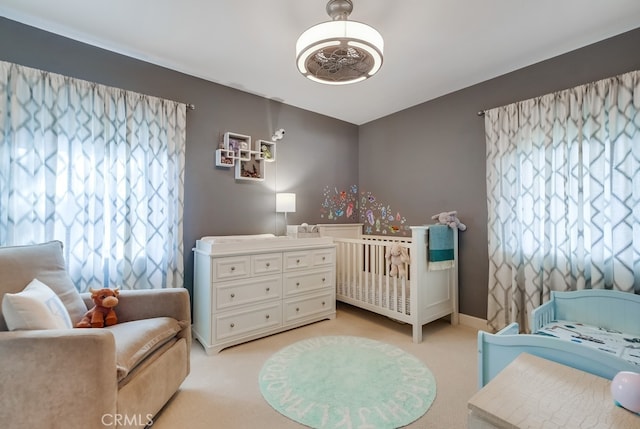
(347, 382)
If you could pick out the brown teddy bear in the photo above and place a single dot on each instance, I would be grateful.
(102, 314)
(397, 255)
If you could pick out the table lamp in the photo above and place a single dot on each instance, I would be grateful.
(285, 203)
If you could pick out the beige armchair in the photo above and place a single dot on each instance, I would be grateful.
(114, 377)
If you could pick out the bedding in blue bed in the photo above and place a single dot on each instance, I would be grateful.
(616, 343)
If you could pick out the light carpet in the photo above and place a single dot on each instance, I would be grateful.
(347, 381)
(222, 391)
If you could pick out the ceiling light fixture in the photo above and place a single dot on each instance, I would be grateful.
(339, 52)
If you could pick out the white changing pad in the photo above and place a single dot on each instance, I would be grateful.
(236, 238)
(227, 244)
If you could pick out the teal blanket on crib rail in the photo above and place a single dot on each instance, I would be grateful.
(440, 243)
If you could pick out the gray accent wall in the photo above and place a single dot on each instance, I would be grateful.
(422, 160)
(431, 158)
(316, 150)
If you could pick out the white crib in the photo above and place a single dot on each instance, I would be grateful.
(362, 277)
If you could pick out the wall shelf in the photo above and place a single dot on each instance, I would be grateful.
(236, 151)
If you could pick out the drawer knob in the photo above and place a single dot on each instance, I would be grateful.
(233, 325)
(297, 261)
(267, 316)
(268, 289)
(324, 258)
(297, 284)
(233, 295)
(323, 279)
(268, 264)
(297, 308)
(323, 303)
(233, 268)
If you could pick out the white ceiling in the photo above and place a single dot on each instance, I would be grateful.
(432, 47)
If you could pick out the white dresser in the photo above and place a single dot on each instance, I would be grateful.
(247, 287)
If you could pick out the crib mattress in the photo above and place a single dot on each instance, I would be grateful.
(619, 344)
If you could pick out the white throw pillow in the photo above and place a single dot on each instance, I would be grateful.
(36, 307)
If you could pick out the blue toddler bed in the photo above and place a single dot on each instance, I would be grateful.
(595, 330)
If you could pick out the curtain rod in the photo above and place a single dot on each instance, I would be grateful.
(480, 113)
(191, 106)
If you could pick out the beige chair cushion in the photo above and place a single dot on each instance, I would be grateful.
(35, 307)
(21, 264)
(138, 339)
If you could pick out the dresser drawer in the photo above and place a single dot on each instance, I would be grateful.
(248, 291)
(309, 259)
(235, 267)
(323, 257)
(297, 260)
(247, 321)
(307, 281)
(307, 306)
(269, 263)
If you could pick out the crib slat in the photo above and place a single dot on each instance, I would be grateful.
(384, 298)
(364, 277)
(404, 290)
(407, 270)
(379, 277)
(354, 264)
(367, 250)
(343, 268)
(387, 291)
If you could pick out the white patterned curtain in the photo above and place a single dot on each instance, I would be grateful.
(98, 168)
(563, 189)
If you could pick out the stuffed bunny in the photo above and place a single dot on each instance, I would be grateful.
(450, 218)
(397, 255)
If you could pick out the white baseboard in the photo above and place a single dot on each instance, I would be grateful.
(473, 322)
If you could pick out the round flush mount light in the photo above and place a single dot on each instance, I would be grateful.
(340, 51)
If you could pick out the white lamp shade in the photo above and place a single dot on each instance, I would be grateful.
(285, 202)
